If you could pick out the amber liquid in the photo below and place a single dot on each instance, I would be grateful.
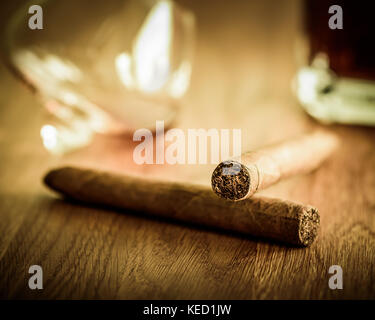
(351, 50)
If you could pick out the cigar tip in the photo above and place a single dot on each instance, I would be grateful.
(49, 177)
(52, 177)
(309, 225)
(231, 180)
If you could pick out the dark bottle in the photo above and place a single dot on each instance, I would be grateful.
(338, 82)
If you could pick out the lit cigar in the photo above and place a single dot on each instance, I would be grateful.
(256, 170)
(277, 219)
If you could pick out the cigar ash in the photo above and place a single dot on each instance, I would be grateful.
(231, 180)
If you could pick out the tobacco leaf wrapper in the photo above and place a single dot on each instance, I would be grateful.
(240, 179)
(276, 219)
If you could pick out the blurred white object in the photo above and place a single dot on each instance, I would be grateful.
(332, 99)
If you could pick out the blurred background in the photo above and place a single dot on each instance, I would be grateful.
(243, 62)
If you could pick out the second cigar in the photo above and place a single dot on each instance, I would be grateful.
(277, 219)
(240, 179)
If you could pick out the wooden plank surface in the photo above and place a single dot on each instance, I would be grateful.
(243, 68)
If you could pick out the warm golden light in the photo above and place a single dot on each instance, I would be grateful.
(58, 138)
(124, 70)
(151, 48)
(148, 68)
(49, 136)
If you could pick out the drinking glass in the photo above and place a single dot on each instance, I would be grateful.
(102, 66)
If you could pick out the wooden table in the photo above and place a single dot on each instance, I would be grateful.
(242, 73)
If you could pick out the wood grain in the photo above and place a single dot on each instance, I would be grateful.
(243, 68)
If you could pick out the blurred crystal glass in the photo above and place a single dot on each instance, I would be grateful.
(102, 66)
